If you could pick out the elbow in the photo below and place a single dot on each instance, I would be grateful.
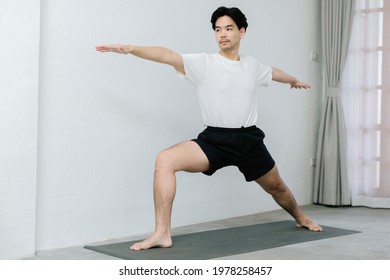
(275, 74)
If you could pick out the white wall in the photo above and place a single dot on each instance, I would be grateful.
(19, 65)
(104, 117)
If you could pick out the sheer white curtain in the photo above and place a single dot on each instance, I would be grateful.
(366, 102)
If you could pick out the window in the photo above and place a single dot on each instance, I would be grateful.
(367, 100)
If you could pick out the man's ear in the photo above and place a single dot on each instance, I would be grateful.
(242, 32)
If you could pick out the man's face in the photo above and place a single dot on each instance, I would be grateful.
(227, 34)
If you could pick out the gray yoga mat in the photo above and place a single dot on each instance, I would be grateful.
(223, 242)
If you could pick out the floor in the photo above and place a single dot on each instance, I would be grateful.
(373, 243)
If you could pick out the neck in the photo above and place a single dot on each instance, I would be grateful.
(232, 55)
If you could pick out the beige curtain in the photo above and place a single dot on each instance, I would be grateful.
(366, 103)
(330, 180)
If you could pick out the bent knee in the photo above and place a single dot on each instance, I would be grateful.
(275, 187)
(163, 161)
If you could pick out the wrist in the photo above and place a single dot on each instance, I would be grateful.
(294, 81)
(127, 49)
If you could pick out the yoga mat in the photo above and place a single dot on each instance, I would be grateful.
(223, 242)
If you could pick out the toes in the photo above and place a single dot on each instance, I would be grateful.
(311, 226)
(136, 247)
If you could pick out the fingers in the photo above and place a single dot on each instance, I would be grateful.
(110, 48)
(107, 49)
(103, 48)
(300, 85)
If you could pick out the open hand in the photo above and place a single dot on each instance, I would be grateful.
(299, 85)
(122, 49)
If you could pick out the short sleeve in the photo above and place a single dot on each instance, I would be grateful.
(195, 66)
(264, 74)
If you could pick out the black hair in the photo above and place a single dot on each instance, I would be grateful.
(235, 13)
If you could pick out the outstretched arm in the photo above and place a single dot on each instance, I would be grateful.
(157, 54)
(279, 75)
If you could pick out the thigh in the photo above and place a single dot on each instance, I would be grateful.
(256, 161)
(186, 156)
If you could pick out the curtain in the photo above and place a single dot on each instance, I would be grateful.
(330, 179)
(366, 102)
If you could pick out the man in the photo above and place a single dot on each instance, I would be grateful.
(225, 82)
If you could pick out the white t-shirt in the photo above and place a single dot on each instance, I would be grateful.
(226, 88)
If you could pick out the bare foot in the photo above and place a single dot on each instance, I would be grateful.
(153, 241)
(309, 224)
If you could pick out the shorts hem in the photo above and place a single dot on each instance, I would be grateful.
(210, 171)
(258, 175)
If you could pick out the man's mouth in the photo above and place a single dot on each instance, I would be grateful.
(224, 41)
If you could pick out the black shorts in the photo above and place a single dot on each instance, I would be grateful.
(241, 147)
